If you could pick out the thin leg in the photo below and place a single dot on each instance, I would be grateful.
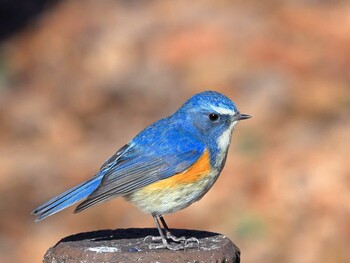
(174, 238)
(162, 238)
(168, 233)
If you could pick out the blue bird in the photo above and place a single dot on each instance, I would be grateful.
(165, 168)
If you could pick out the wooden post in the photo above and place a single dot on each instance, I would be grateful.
(127, 245)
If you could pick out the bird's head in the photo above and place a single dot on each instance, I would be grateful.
(211, 116)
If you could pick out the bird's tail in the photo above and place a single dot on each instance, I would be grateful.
(67, 198)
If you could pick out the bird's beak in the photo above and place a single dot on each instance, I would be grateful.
(240, 116)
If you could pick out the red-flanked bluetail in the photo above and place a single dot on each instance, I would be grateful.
(165, 168)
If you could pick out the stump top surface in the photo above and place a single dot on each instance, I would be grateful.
(127, 245)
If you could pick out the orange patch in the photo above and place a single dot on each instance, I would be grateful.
(200, 169)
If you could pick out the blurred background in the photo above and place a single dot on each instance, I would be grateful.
(79, 79)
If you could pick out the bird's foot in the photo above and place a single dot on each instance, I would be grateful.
(182, 239)
(179, 243)
(166, 244)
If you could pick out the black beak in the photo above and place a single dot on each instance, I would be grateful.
(240, 116)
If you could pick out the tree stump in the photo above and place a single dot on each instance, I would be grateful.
(127, 245)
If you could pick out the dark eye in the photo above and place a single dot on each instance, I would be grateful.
(214, 117)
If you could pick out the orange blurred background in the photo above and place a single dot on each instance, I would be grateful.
(86, 76)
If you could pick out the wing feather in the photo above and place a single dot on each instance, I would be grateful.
(134, 170)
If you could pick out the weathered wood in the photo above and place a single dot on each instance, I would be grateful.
(127, 245)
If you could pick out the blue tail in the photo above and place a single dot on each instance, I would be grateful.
(67, 198)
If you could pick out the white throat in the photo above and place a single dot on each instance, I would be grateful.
(224, 142)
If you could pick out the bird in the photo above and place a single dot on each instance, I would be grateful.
(169, 165)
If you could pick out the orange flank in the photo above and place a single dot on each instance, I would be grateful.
(197, 171)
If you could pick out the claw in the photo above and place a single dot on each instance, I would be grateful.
(173, 247)
(192, 242)
(179, 243)
(153, 239)
(182, 239)
(160, 242)
(174, 238)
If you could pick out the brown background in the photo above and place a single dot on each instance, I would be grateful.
(87, 76)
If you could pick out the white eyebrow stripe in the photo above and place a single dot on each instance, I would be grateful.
(223, 111)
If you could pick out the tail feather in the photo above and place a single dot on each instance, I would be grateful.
(67, 198)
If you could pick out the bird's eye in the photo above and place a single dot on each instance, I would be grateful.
(214, 117)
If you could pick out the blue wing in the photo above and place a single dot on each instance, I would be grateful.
(158, 152)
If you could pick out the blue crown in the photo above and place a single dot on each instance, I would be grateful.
(209, 99)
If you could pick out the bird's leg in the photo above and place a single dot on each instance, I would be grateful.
(168, 233)
(155, 238)
(182, 239)
(162, 238)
